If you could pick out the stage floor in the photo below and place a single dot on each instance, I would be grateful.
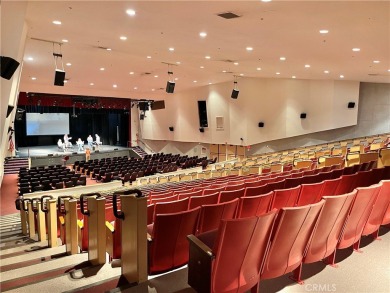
(38, 151)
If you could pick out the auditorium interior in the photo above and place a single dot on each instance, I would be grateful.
(195, 146)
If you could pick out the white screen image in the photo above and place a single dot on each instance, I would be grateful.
(47, 123)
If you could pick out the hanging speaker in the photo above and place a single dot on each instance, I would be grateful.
(59, 77)
(8, 67)
(201, 129)
(261, 124)
(171, 128)
(235, 94)
(351, 105)
(170, 87)
(303, 115)
(9, 110)
(19, 114)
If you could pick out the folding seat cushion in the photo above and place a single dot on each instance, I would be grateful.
(290, 236)
(167, 245)
(328, 230)
(225, 196)
(233, 261)
(285, 197)
(358, 216)
(347, 184)
(197, 201)
(211, 190)
(254, 191)
(330, 186)
(254, 205)
(310, 193)
(235, 186)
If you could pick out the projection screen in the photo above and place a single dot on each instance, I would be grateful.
(47, 123)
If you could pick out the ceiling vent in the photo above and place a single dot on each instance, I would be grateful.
(228, 15)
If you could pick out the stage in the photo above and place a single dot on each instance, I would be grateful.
(51, 155)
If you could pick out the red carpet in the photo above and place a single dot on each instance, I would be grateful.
(8, 194)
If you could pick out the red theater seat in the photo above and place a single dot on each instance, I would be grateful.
(330, 187)
(310, 193)
(225, 196)
(347, 184)
(289, 239)
(254, 205)
(285, 197)
(254, 191)
(168, 245)
(233, 261)
(197, 201)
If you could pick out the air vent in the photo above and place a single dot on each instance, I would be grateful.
(228, 15)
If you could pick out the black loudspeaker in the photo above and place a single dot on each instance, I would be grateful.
(202, 111)
(170, 87)
(303, 115)
(8, 67)
(351, 105)
(143, 105)
(171, 128)
(157, 105)
(201, 129)
(235, 94)
(59, 78)
(19, 115)
(9, 110)
(261, 124)
(141, 116)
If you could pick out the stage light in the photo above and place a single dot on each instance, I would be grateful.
(235, 90)
(59, 76)
(171, 81)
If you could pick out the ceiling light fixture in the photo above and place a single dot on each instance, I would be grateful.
(376, 61)
(266, 1)
(68, 64)
(171, 49)
(30, 58)
(149, 57)
(324, 31)
(156, 76)
(91, 83)
(65, 41)
(277, 73)
(235, 63)
(195, 81)
(293, 76)
(356, 49)
(201, 67)
(33, 78)
(101, 68)
(241, 74)
(282, 58)
(131, 72)
(341, 76)
(130, 12)
(108, 49)
(114, 85)
(207, 57)
(57, 22)
(249, 48)
(178, 62)
(307, 66)
(258, 68)
(326, 71)
(123, 38)
(203, 34)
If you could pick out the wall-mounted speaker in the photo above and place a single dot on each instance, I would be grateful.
(9, 110)
(202, 111)
(19, 114)
(171, 128)
(351, 105)
(235, 94)
(157, 105)
(59, 77)
(201, 129)
(170, 87)
(141, 116)
(303, 115)
(261, 124)
(8, 67)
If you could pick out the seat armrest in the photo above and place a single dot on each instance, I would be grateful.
(110, 227)
(149, 237)
(203, 247)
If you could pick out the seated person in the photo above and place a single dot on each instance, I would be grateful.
(67, 143)
(80, 144)
(61, 145)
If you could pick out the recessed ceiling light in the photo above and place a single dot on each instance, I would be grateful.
(114, 85)
(195, 81)
(266, 0)
(207, 57)
(241, 74)
(68, 64)
(108, 49)
(202, 67)
(258, 68)
(224, 71)
(149, 57)
(178, 62)
(293, 76)
(210, 83)
(277, 73)
(65, 81)
(123, 38)
(326, 71)
(356, 49)
(131, 72)
(176, 78)
(249, 48)
(171, 49)
(156, 76)
(341, 76)
(57, 22)
(282, 58)
(65, 41)
(203, 34)
(388, 70)
(135, 88)
(33, 78)
(30, 58)
(235, 63)
(376, 61)
(307, 65)
(91, 83)
(153, 90)
(130, 12)
(324, 31)
(102, 68)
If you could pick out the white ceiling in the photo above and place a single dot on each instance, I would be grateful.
(275, 29)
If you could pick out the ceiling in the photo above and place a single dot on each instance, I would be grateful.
(273, 29)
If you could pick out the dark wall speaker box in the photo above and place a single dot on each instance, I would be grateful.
(143, 106)
(201, 129)
(351, 105)
(170, 87)
(59, 78)
(8, 67)
(9, 110)
(261, 124)
(141, 116)
(171, 128)
(235, 94)
(19, 115)
(303, 115)
(202, 111)
(157, 105)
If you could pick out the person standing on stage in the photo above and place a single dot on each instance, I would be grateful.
(90, 142)
(87, 154)
(67, 143)
(61, 146)
(97, 141)
(80, 144)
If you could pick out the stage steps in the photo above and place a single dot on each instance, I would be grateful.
(139, 151)
(12, 165)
